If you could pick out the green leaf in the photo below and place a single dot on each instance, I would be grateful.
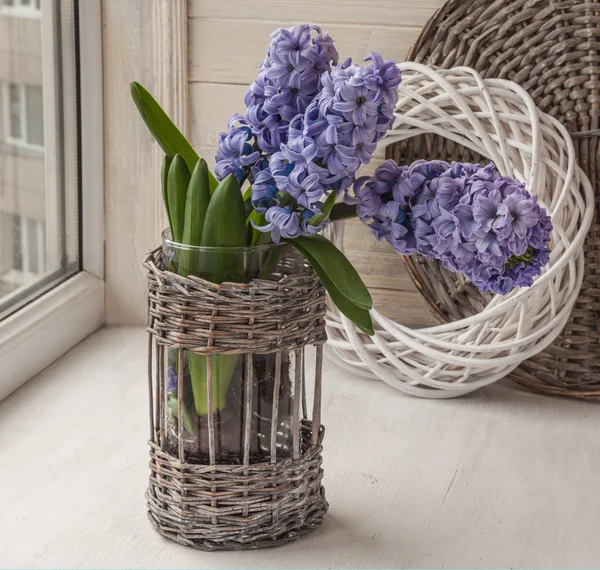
(225, 227)
(264, 238)
(166, 134)
(225, 223)
(196, 205)
(316, 220)
(249, 208)
(187, 418)
(223, 367)
(342, 211)
(178, 181)
(259, 220)
(335, 266)
(359, 316)
(164, 175)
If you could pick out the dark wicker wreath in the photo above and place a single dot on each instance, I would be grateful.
(552, 49)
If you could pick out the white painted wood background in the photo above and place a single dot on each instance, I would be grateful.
(219, 44)
(227, 41)
(145, 41)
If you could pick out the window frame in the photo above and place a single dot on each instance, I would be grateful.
(56, 321)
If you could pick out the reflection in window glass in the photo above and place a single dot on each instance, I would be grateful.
(34, 114)
(15, 112)
(31, 232)
(38, 177)
(17, 248)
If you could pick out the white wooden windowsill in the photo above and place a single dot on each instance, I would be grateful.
(502, 478)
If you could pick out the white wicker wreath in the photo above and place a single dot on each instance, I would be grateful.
(497, 119)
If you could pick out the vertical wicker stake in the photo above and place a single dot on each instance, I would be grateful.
(180, 448)
(316, 419)
(150, 390)
(209, 497)
(275, 415)
(296, 402)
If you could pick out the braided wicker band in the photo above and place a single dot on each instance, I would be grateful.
(260, 317)
(254, 504)
(497, 119)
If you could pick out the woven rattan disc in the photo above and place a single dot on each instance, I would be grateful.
(552, 49)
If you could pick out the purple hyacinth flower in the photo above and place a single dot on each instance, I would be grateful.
(312, 126)
(236, 152)
(281, 222)
(309, 193)
(446, 225)
(388, 76)
(519, 214)
(356, 103)
(171, 380)
(485, 211)
(264, 191)
(467, 223)
(473, 220)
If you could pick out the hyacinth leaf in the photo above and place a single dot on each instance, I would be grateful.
(164, 131)
(342, 212)
(259, 220)
(334, 265)
(197, 201)
(325, 209)
(223, 367)
(178, 181)
(164, 176)
(224, 226)
(187, 418)
(225, 223)
(358, 315)
(196, 205)
(248, 201)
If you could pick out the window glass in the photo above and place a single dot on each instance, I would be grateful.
(34, 114)
(17, 248)
(15, 110)
(39, 194)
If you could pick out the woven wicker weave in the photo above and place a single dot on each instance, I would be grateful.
(253, 501)
(552, 49)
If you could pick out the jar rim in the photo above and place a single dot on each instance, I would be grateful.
(168, 241)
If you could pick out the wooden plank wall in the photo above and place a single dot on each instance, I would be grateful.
(228, 39)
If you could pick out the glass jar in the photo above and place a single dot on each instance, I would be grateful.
(272, 399)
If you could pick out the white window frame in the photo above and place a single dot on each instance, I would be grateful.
(8, 137)
(20, 9)
(42, 331)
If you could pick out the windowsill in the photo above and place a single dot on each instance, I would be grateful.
(501, 478)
